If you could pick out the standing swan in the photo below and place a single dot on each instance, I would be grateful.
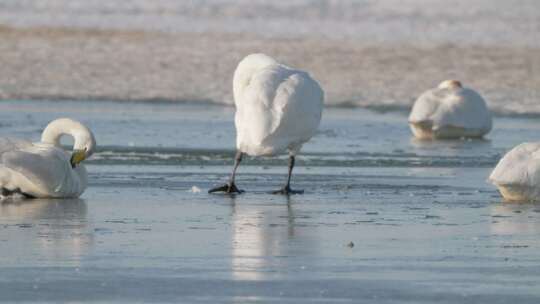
(450, 111)
(278, 108)
(44, 169)
(517, 175)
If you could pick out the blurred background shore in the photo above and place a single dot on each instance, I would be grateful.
(374, 54)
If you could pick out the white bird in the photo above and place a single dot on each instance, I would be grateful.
(44, 169)
(278, 109)
(450, 111)
(517, 175)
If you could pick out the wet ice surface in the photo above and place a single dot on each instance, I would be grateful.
(424, 224)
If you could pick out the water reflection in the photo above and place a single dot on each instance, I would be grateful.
(262, 230)
(515, 219)
(452, 146)
(514, 230)
(50, 229)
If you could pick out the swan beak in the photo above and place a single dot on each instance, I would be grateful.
(76, 157)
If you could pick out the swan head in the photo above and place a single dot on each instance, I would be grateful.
(84, 141)
(245, 70)
(450, 84)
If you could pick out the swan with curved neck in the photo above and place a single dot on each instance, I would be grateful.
(84, 141)
(45, 169)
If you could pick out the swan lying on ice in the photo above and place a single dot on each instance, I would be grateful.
(44, 169)
(517, 175)
(450, 111)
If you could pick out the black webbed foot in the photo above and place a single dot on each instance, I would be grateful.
(227, 188)
(288, 191)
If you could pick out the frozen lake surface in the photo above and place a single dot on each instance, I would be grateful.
(425, 225)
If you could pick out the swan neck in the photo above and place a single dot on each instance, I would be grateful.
(53, 135)
(67, 127)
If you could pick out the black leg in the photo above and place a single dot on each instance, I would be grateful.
(26, 195)
(230, 187)
(287, 189)
(5, 192)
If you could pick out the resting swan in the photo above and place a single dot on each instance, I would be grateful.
(517, 175)
(450, 111)
(44, 169)
(278, 109)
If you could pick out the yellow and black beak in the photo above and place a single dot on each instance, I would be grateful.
(76, 157)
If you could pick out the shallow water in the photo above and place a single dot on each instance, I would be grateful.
(424, 223)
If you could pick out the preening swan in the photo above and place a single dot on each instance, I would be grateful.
(450, 111)
(517, 175)
(278, 109)
(44, 169)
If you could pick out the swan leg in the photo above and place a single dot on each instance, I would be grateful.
(6, 192)
(287, 188)
(230, 187)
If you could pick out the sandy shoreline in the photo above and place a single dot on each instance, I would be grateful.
(83, 64)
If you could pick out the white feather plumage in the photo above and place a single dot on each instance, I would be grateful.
(517, 175)
(278, 108)
(450, 111)
(44, 169)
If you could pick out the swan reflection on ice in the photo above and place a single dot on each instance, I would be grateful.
(55, 229)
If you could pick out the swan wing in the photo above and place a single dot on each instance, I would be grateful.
(297, 108)
(43, 167)
(279, 109)
(441, 107)
(464, 108)
(12, 144)
(254, 116)
(520, 166)
(426, 106)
